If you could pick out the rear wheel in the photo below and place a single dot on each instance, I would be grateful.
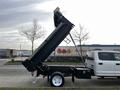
(118, 77)
(101, 77)
(57, 79)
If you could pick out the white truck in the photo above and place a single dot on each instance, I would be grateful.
(104, 63)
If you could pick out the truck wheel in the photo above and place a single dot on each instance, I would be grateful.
(102, 77)
(118, 77)
(57, 79)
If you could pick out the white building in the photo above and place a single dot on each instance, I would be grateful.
(60, 50)
(71, 50)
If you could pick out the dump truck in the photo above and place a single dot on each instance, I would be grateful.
(55, 73)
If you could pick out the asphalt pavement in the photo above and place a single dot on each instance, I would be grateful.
(18, 76)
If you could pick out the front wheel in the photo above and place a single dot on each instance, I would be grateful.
(57, 79)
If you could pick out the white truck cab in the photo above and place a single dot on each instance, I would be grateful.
(104, 63)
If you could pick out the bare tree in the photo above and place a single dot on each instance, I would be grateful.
(81, 36)
(32, 32)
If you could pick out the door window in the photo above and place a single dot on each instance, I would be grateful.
(109, 56)
(117, 56)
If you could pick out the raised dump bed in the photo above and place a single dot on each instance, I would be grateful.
(63, 27)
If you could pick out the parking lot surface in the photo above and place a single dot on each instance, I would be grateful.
(18, 76)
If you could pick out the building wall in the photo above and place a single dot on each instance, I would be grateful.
(65, 51)
(71, 50)
(5, 53)
(23, 53)
(60, 50)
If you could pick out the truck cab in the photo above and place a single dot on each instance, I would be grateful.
(104, 63)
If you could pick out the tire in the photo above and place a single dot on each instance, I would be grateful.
(101, 77)
(57, 79)
(118, 77)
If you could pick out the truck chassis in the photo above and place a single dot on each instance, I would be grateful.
(56, 73)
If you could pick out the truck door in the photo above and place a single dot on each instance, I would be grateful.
(105, 65)
(117, 63)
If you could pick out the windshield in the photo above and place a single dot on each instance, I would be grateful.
(109, 56)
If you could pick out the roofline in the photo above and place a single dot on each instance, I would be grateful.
(98, 45)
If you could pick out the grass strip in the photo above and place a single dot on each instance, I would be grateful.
(59, 88)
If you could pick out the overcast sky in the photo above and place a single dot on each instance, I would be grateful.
(101, 18)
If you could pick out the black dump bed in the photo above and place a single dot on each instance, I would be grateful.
(63, 27)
